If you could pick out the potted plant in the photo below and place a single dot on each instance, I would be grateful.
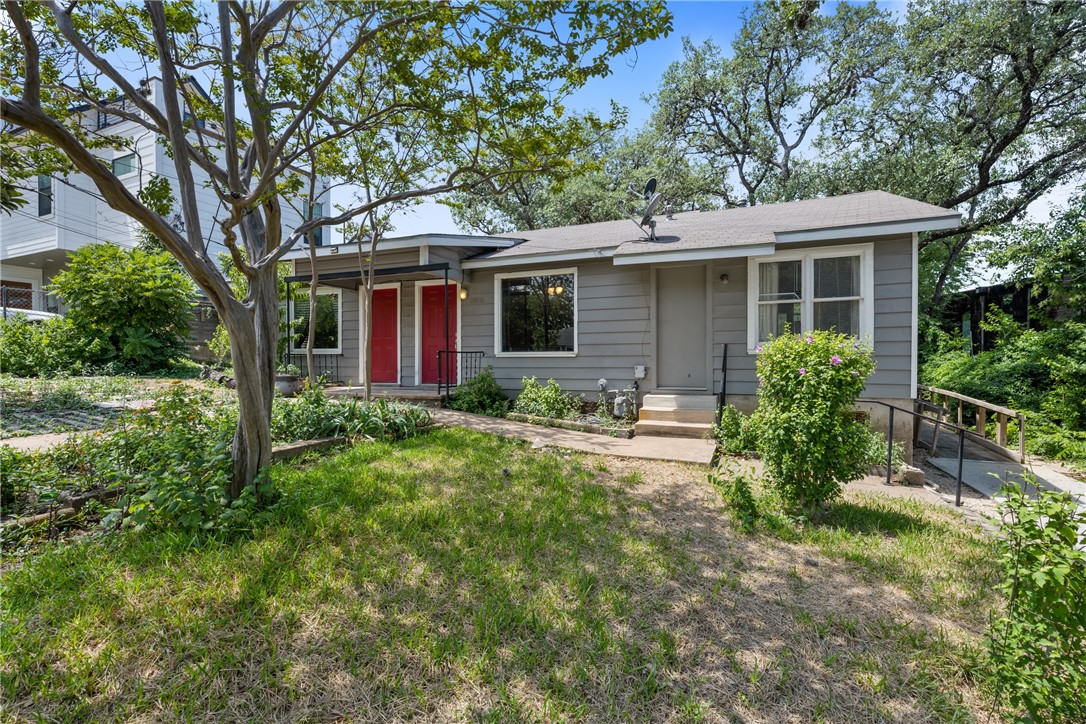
(288, 380)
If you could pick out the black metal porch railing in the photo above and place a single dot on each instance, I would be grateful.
(452, 365)
(17, 299)
(723, 383)
(325, 365)
(890, 441)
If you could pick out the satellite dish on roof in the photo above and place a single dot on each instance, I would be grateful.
(654, 202)
(650, 189)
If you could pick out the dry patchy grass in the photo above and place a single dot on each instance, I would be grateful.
(464, 577)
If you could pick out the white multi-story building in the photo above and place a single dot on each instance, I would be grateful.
(65, 211)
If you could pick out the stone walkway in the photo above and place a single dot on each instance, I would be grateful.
(646, 447)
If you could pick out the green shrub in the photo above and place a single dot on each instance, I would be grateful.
(875, 450)
(31, 349)
(130, 307)
(549, 401)
(482, 395)
(1037, 644)
(808, 436)
(735, 434)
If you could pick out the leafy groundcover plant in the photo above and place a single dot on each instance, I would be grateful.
(549, 401)
(1038, 645)
(482, 395)
(808, 435)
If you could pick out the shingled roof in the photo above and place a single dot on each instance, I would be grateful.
(741, 227)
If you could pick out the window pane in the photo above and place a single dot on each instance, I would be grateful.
(537, 313)
(837, 277)
(780, 280)
(326, 335)
(778, 319)
(45, 195)
(123, 165)
(843, 317)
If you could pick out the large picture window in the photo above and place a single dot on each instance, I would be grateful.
(326, 337)
(537, 313)
(827, 289)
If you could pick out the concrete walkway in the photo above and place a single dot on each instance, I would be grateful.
(699, 452)
(987, 476)
(30, 443)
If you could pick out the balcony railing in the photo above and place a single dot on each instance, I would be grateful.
(18, 299)
(452, 365)
(324, 365)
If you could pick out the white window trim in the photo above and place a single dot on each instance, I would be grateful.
(418, 325)
(807, 257)
(339, 323)
(363, 350)
(498, 311)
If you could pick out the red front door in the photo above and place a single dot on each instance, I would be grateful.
(434, 331)
(385, 338)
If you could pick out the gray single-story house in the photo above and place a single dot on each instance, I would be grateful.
(606, 301)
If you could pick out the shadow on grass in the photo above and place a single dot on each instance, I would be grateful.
(455, 576)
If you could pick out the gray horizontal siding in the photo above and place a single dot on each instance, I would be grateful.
(613, 332)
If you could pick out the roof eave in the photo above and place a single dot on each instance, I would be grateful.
(887, 228)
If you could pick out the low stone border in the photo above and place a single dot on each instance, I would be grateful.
(619, 432)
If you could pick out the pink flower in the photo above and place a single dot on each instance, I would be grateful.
(761, 383)
(855, 373)
(835, 360)
(758, 349)
(810, 339)
(802, 371)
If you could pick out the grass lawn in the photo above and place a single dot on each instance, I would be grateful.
(460, 576)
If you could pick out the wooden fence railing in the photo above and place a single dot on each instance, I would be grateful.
(938, 398)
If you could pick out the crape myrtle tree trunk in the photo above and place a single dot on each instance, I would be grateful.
(480, 86)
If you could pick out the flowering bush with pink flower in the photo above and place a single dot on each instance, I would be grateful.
(808, 437)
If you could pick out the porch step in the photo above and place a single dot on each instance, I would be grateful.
(680, 402)
(671, 414)
(668, 428)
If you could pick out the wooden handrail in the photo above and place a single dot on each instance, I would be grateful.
(1002, 416)
(971, 400)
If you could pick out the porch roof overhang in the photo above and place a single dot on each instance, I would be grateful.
(353, 279)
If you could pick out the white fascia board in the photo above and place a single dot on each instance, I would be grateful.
(720, 252)
(411, 242)
(863, 230)
(543, 258)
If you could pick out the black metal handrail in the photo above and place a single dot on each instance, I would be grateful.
(723, 384)
(914, 413)
(452, 362)
(324, 364)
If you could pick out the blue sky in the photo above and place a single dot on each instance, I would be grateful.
(631, 77)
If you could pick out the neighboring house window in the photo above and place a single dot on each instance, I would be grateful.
(825, 288)
(45, 195)
(124, 165)
(317, 212)
(537, 313)
(326, 337)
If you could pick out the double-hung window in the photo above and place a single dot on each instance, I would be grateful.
(827, 289)
(326, 337)
(536, 313)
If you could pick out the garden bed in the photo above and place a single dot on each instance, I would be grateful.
(584, 423)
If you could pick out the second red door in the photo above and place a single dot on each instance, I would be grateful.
(433, 331)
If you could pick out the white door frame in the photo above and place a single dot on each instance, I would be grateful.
(418, 324)
(362, 349)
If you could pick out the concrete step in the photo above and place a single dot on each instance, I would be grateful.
(670, 414)
(680, 401)
(665, 428)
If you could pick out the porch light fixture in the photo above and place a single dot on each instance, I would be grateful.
(723, 278)
(463, 293)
